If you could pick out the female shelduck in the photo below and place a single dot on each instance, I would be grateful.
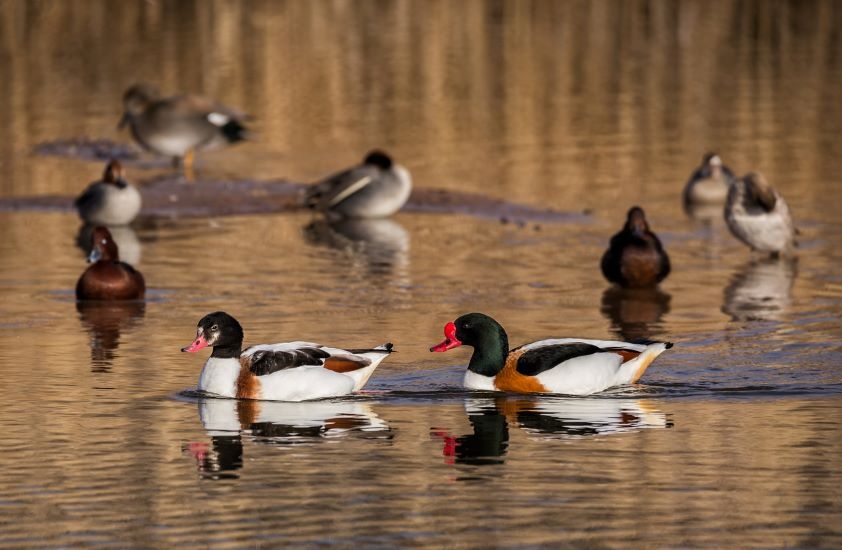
(758, 215)
(178, 126)
(635, 257)
(110, 201)
(374, 189)
(293, 371)
(565, 365)
(108, 278)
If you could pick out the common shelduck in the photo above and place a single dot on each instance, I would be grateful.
(108, 278)
(635, 257)
(758, 215)
(565, 365)
(178, 126)
(293, 371)
(110, 201)
(374, 189)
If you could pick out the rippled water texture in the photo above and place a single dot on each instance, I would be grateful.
(733, 438)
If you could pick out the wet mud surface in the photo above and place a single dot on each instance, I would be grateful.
(172, 195)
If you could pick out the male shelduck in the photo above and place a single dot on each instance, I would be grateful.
(758, 215)
(635, 257)
(108, 278)
(293, 371)
(109, 201)
(374, 189)
(566, 365)
(178, 126)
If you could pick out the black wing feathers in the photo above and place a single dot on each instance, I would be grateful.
(267, 361)
(536, 361)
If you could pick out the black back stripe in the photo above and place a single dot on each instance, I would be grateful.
(536, 361)
(267, 361)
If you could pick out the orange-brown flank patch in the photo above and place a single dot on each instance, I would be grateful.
(343, 364)
(510, 379)
(248, 386)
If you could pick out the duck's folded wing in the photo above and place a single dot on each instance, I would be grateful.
(267, 361)
(535, 361)
(335, 189)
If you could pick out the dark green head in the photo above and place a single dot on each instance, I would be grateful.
(485, 335)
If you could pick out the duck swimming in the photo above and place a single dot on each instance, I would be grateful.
(293, 371)
(108, 278)
(635, 257)
(564, 365)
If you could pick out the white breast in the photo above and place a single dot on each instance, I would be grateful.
(219, 376)
(474, 381)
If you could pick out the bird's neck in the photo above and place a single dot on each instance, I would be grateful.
(227, 351)
(490, 354)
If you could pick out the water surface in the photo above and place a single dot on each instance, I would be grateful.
(731, 440)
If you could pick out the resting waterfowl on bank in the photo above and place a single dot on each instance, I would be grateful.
(374, 189)
(180, 125)
(758, 215)
(109, 201)
(293, 371)
(564, 365)
(108, 278)
(635, 257)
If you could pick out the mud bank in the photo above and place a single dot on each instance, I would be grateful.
(173, 196)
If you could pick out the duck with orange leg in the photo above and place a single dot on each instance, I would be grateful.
(180, 125)
(569, 366)
(292, 371)
(108, 278)
(635, 257)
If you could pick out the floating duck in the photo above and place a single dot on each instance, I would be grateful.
(565, 365)
(758, 215)
(709, 183)
(180, 125)
(635, 258)
(374, 189)
(108, 278)
(109, 201)
(293, 371)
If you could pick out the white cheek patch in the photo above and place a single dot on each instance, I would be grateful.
(218, 119)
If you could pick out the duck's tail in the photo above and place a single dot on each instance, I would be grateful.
(632, 370)
(375, 355)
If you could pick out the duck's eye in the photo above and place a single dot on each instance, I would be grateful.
(215, 328)
(102, 241)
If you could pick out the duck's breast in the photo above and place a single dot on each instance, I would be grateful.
(110, 281)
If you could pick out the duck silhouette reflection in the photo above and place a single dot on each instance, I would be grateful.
(545, 417)
(377, 245)
(124, 236)
(761, 289)
(228, 421)
(635, 313)
(104, 321)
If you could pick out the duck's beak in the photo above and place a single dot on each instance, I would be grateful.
(450, 340)
(95, 255)
(197, 344)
